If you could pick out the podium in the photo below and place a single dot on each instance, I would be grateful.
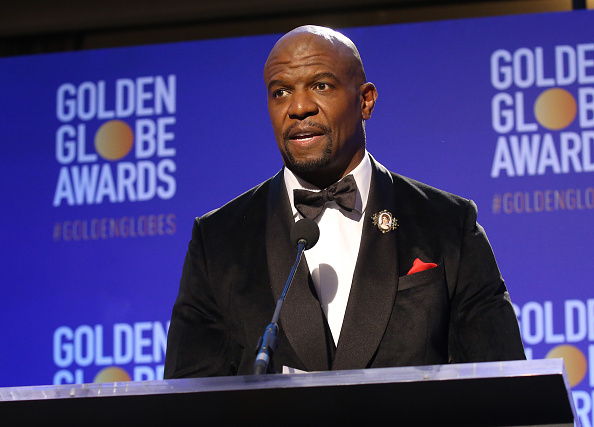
(513, 393)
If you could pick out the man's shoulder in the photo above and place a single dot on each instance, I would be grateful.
(429, 207)
(424, 191)
(253, 199)
(418, 198)
(416, 190)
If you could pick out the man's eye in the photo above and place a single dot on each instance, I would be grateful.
(279, 93)
(322, 86)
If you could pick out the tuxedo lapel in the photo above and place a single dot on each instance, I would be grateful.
(375, 281)
(301, 318)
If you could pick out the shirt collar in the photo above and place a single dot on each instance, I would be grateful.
(362, 175)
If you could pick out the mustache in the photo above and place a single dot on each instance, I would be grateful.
(305, 124)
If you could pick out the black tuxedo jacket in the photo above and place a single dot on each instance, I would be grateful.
(240, 256)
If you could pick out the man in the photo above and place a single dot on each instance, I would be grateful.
(425, 290)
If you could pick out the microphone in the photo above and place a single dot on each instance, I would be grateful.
(305, 230)
(304, 234)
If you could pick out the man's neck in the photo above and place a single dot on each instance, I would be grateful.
(362, 175)
(324, 178)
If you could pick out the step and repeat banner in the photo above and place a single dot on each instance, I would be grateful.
(108, 156)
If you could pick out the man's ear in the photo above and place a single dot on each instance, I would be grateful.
(368, 97)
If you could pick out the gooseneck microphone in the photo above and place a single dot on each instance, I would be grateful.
(304, 234)
(305, 231)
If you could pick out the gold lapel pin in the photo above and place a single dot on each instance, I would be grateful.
(385, 221)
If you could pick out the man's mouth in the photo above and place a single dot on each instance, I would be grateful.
(304, 136)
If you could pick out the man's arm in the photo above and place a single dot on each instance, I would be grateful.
(198, 344)
(483, 324)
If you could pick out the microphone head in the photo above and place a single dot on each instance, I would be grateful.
(307, 230)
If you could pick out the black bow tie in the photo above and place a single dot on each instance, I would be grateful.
(311, 203)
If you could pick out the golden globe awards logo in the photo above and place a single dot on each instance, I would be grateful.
(543, 110)
(115, 141)
(109, 353)
(563, 329)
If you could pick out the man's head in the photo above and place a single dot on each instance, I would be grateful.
(318, 100)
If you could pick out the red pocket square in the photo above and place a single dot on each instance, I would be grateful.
(419, 265)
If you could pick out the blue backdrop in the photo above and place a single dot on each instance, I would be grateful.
(110, 154)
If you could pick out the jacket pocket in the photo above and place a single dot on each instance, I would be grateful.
(421, 278)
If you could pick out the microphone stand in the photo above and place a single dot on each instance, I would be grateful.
(267, 343)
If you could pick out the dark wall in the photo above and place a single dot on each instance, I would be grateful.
(38, 26)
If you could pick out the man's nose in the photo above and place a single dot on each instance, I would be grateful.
(302, 106)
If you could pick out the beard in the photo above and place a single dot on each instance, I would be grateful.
(304, 166)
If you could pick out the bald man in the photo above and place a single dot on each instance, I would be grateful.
(402, 273)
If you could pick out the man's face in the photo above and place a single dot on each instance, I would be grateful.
(316, 106)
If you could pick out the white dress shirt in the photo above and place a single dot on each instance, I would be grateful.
(332, 260)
